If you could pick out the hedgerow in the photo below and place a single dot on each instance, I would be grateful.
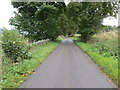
(14, 45)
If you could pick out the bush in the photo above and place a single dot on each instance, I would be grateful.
(14, 45)
(106, 43)
(107, 48)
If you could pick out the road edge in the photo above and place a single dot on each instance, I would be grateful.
(98, 66)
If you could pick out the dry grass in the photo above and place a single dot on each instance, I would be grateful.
(106, 36)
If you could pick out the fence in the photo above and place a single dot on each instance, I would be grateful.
(42, 41)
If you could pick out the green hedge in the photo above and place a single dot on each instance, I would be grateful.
(14, 45)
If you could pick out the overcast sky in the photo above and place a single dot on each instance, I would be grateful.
(6, 11)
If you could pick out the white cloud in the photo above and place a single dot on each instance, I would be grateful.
(110, 21)
(66, 2)
(6, 12)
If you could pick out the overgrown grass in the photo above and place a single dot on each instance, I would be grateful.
(103, 49)
(15, 74)
(104, 36)
(108, 64)
(0, 44)
(0, 51)
(106, 43)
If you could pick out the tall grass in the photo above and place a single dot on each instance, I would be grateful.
(104, 36)
(108, 64)
(106, 43)
(103, 49)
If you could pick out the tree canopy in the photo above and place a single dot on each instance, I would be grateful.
(38, 20)
(50, 19)
(89, 15)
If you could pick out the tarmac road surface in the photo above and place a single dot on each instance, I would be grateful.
(68, 67)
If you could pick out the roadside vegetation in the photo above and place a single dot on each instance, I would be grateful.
(107, 43)
(0, 57)
(103, 49)
(19, 61)
(36, 21)
(42, 20)
(0, 44)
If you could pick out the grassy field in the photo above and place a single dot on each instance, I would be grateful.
(15, 74)
(103, 49)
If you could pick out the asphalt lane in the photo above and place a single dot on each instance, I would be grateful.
(68, 67)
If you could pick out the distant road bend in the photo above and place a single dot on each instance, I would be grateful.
(68, 67)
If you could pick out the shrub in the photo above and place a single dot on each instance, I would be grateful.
(14, 45)
(106, 43)
(107, 49)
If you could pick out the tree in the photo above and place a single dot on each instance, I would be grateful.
(89, 15)
(15, 46)
(63, 24)
(51, 19)
(38, 20)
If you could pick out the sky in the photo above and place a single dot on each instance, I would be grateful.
(6, 12)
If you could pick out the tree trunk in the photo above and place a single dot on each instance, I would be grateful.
(84, 38)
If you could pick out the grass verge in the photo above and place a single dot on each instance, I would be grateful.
(109, 65)
(15, 74)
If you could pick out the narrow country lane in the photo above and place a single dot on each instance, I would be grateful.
(68, 67)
